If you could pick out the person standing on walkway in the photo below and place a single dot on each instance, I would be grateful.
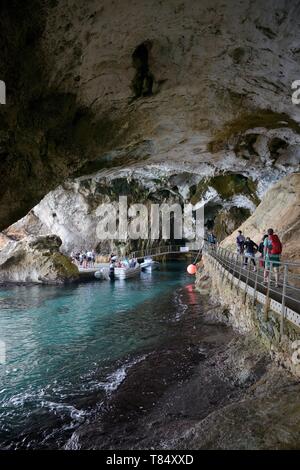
(272, 252)
(211, 238)
(112, 271)
(250, 249)
(84, 258)
(261, 251)
(240, 241)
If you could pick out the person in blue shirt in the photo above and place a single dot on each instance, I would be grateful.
(211, 238)
(240, 242)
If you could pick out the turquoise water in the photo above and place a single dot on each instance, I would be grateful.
(68, 347)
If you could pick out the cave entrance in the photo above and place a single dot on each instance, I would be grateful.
(142, 83)
(223, 219)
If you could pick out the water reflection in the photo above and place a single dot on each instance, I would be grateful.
(65, 342)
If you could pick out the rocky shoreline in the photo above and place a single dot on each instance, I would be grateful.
(36, 260)
(197, 391)
(203, 385)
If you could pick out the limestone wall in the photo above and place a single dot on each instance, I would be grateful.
(239, 311)
(280, 210)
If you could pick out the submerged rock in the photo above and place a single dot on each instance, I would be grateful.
(36, 259)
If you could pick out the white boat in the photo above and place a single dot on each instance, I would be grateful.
(127, 272)
(149, 264)
(101, 274)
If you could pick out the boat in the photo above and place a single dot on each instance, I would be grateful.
(126, 272)
(102, 274)
(149, 264)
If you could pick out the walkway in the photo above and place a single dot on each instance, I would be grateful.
(284, 300)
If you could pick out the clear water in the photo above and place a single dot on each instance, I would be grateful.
(68, 345)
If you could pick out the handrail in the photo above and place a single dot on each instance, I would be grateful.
(286, 295)
(164, 250)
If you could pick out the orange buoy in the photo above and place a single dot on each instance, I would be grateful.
(191, 269)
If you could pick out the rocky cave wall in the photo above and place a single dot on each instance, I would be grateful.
(236, 309)
(280, 210)
(72, 210)
(163, 88)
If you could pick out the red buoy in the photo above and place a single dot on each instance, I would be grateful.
(191, 269)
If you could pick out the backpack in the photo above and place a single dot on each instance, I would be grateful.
(276, 246)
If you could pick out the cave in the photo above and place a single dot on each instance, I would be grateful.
(161, 103)
(277, 146)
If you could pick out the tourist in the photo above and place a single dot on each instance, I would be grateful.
(211, 238)
(89, 257)
(272, 252)
(113, 257)
(261, 251)
(73, 257)
(84, 259)
(133, 262)
(240, 240)
(93, 258)
(77, 257)
(112, 270)
(250, 249)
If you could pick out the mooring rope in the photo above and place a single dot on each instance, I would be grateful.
(200, 251)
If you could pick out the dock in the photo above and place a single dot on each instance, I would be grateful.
(189, 249)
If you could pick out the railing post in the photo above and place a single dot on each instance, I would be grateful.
(240, 273)
(216, 258)
(213, 255)
(221, 267)
(267, 304)
(220, 255)
(223, 255)
(247, 280)
(234, 269)
(255, 286)
(285, 280)
(228, 266)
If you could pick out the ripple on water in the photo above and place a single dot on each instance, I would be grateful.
(70, 347)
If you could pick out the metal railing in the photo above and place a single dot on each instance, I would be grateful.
(260, 283)
(165, 250)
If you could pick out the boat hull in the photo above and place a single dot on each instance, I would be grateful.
(101, 274)
(126, 273)
(150, 265)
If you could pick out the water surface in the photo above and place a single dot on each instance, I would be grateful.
(67, 348)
